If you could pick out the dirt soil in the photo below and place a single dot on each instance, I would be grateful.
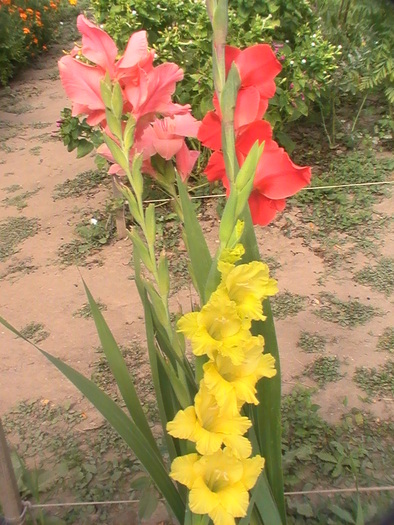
(35, 287)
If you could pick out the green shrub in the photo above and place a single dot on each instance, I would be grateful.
(180, 31)
(26, 27)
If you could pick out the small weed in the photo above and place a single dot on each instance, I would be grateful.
(311, 342)
(41, 125)
(376, 381)
(19, 201)
(346, 313)
(13, 188)
(324, 369)
(34, 332)
(36, 150)
(13, 231)
(24, 266)
(273, 265)
(386, 340)
(92, 236)
(83, 183)
(86, 312)
(379, 277)
(287, 304)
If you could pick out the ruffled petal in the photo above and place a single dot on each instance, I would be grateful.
(97, 45)
(215, 169)
(209, 133)
(258, 66)
(182, 469)
(136, 50)
(185, 161)
(263, 209)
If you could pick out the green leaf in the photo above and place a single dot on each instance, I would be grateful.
(117, 153)
(305, 509)
(125, 427)
(148, 504)
(119, 369)
(200, 257)
(84, 148)
(264, 502)
(345, 516)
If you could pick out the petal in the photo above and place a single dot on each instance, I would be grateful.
(258, 67)
(185, 161)
(249, 107)
(240, 446)
(201, 499)
(256, 131)
(208, 442)
(183, 426)
(161, 85)
(234, 500)
(263, 209)
(81, 82)
(252, 469)
(136, 50)
(97, 45)
(209, 133)
(185, 125)
(215, 169)
(231, 53)
(182, 469)
(277, 177)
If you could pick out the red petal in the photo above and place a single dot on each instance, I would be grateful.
(260, 130)
(209, 133)
(231, 53)
(249, 107)
(97, 45)
(258, 67)
(215, 169)
(277, 176)
(262, 209)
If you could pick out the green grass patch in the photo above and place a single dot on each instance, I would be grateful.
(343, 216)
(346, 313)
(287, 304)
(34, 332)
(19, 201)
(13, 188)
(85, 311)
(324, 369)
(23, 266)
(83, 183)
(376, 381)
(379, 277)
(312, 342)
(386, 340)
(13, 231)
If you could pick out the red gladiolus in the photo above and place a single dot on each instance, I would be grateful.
(276, 177)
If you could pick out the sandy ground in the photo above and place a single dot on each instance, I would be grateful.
(31, 157)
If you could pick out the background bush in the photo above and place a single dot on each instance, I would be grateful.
(26, 27)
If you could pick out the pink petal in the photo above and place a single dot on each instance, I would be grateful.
(161, 85)
(167, 148)
(97, 45)
(81, 82)
(185, 125)
(136, 50)
(185, 161)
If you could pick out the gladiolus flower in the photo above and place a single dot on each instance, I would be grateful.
(218, 483)
(210, 426)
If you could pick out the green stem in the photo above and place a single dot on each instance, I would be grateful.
(358, 112)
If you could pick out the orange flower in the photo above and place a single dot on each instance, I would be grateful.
(44, 48)
(35, 40)
(38, 14)
(26, 30)
(45, 8)
(29, 11)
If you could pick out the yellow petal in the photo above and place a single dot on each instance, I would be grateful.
(182, 469)
(201, 499)
(252, 469)
(240, 446)
(234, 499)
(183, 426)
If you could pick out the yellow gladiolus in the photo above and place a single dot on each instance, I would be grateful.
(236, 385)
(210, 426)
(217, 328)
(247, 285)
(218, 483)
